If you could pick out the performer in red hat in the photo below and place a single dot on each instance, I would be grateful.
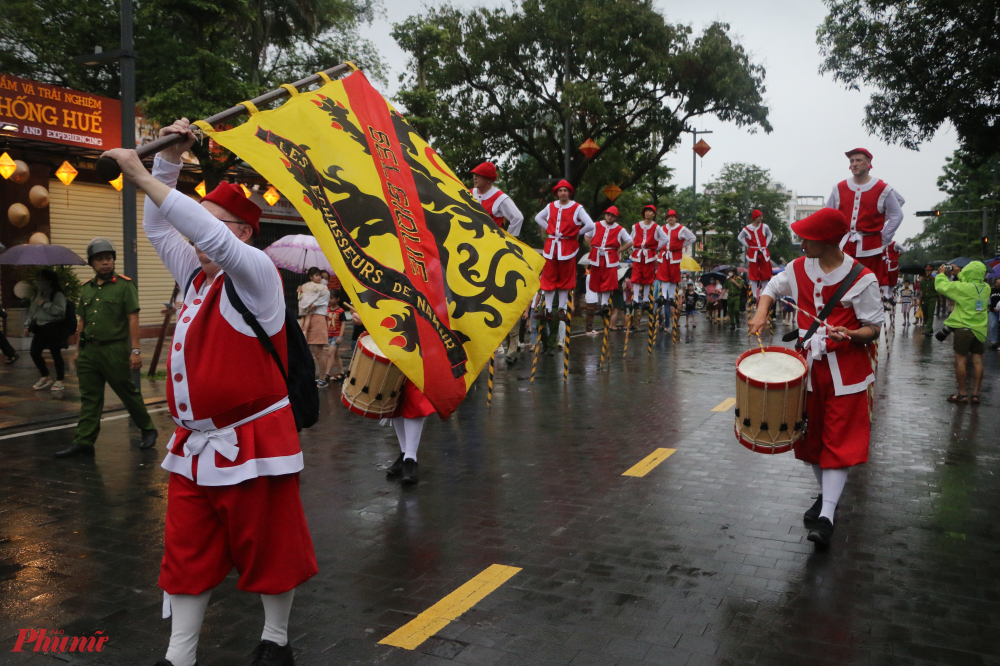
(648, 239)
(564, 220)
(838, 405)
(608, 242)
(502, 209)
(668, 270)
(498, 205)
(756, 238)
(873, 210)
(234, 460)
(891, 258)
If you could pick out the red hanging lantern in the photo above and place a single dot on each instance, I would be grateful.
(589, 148)
(701, 148)
(612, 192)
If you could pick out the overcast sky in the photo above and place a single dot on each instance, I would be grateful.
(814, 118)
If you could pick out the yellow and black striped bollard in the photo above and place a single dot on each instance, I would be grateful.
(489, 382)
(569, 320)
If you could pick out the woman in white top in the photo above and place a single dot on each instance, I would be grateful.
(314, 299)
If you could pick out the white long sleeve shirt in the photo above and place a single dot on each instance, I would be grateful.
(504, 207)
(893, 210)
(744, 235)
(867, 301)
(253, 273)
(580, 217)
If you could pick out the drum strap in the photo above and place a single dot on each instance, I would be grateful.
(834, 301)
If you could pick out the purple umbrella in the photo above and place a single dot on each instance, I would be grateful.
(298, 253)
(41, 255)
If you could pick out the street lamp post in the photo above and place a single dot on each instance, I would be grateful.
(694, 174)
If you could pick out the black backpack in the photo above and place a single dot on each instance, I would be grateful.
(69, 323)
(300, 378)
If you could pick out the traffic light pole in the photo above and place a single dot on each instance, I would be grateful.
(988, 229)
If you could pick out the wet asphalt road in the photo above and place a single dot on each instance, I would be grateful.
(702, 561)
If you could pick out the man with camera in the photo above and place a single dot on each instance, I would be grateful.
(967, 322)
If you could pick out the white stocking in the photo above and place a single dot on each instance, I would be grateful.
(818, 471)
(761, 286)
(671, 289)
(833, 486)
(277, 608)
(646, 290)
(187, 613)
(636, 290)
(408, 432)
(563, 298)
(886, 291)
(549, 296)
(605, 295)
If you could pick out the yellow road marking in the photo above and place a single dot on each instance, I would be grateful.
(725, 405)
(437, 617)
(643, 467)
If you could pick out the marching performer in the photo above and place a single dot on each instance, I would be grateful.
(607, 243)
(502, 209)
(891, 258)
(873, 210)
(840, 366)
(564, 220)
(648, 239)
(497, 205)
(756, 238)
(234, 460)
(668, 270)
(414, 408)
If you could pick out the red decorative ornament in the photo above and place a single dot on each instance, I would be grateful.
(701, 148)
(589, 148)
(612, 192)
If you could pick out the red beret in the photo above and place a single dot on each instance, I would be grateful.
(827, 225)
(564, 183)
(859, 151)
(649, 207)
(671, 213)
(486, 170)
(231, 198)
(613, 210)
(755, 214)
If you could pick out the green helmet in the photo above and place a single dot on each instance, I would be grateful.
(99, 245)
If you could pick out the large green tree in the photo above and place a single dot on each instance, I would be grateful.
(196, 57)
(930, 62)
(968, 188)
(726, 207)
(500, 83)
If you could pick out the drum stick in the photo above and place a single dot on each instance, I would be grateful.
(760, 342)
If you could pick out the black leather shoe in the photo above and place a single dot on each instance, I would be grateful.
(148, 439)
(167, 662)
(409, 472)
(562, 315)
(269, 653)
(646, 306)
(821, 533)
(76, 450)
(396, 468)
(812, 513)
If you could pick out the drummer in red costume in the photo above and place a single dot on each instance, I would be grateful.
(838, 406)
(648, 239)
(607, 243)
(756, 238)
(234, 460)
(498, 205)
(564, 220)
(873, 210)
(502, 209)
(668, 270)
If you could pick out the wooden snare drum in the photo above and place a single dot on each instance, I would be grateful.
(373, 384)
(770, 399)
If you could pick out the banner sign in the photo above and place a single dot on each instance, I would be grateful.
(45, 112)
(437, 284)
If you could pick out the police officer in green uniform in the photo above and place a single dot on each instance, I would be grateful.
(108, 350)
(928, 299)
(735, 288)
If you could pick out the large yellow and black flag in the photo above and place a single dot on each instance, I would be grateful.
(437, 284)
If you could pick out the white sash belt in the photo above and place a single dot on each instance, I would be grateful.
(223, 440)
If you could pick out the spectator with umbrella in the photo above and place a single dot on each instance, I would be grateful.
(46, 320)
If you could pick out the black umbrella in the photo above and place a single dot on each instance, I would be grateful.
(41, 255)
(707, 278)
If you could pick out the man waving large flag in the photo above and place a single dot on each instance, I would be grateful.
(436, 283)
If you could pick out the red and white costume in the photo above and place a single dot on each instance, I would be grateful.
(648, 239)
(756, 238)
(892, 252)
(500, 207)
(563, 224)
(874, 212)
(234, 459)
(837, 404)
(668, 269)
(604, 261)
